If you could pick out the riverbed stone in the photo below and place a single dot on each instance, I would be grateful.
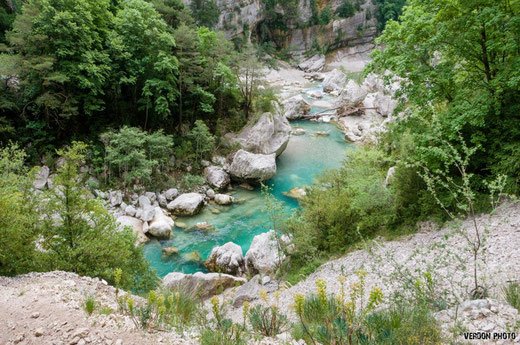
(161, 225)
(144, 201)
(227, 258)
(115, 198)
(351, 96)
(334, 80)
(187, 204)
(296, 107)
(171, 194)
(148, 213)
(313, 64)
(217, 177)
(136, 225)
(223, 199)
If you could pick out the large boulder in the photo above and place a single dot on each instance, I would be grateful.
(296, 107)
(226, 259)
(136, 225)
(334, 81)
(313, 64)
(187, 204)
(203, 284)
(252, 167)
(270, 134)
(216, 177)
(161, 225)
(351, 96)
(147, 213)
(40, 179)
(265, 254)
(384, 104)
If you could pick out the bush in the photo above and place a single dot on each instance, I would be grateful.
(90, 304)
(134, 155)
(170, 309)
(346, 9)
(512, 295)
(220, 330)
(268, 321)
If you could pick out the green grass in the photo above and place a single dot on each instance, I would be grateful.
(512, 294)
(89, 305)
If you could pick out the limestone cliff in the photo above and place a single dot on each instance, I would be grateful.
(248, 16)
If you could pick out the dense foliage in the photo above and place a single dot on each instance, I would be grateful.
(72, 69)
(63, 228)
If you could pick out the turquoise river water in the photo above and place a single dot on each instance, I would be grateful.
(305, 157)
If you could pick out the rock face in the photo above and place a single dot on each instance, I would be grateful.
(296, 107)
(40, 180)
(187, 204)
(334, 81)
(250, 291)
(161, 225)
(313, 64)
(216, 177)
(226, 259)
(270, 134)
(264, 255)
(136, 225)
(206, 285)
(252, 167)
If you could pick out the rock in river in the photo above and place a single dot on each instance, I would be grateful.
(216, 177)
(161, 225)
(226, 259)
(270, 134)
(264, 255)
(252, 167)
(187, 204)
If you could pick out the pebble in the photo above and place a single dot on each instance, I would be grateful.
(38, 332)
(35, 315)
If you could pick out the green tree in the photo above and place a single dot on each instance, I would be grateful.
(18, 219)
(80, 236)
(146, 69)
(388, 10)
(56, 49)
(457, 63)
(134, 155)
(202, 140)
(346, 9)
(205, 12)
(248, 71)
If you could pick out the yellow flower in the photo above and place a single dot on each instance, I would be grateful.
(299, 300)
(263, 295)
(321, 290)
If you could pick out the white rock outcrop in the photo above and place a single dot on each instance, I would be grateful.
(251, 167)
(161, 225)
(313, 64)
(136, 225)
(270, 134)
(217, 177)
(351, 96)
(265, 254)
(187, 204)
(296, 107)
(227, 258)
(40, 179)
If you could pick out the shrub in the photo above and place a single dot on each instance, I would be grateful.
(171, 309)
(343, 206)
(190, 182)
(346, 9)
(220, 330)
(268, 321)
(134, 155)
(512, 294)
(90, 304)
